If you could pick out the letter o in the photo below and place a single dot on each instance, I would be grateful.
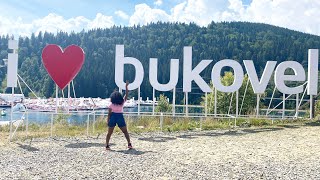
(238, 75)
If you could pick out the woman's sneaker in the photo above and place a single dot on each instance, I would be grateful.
(130, 146)
(108, 147)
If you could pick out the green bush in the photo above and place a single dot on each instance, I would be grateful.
(163, 105)
(260, 122)
(61, 119)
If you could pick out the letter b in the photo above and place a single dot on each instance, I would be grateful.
(119, 69)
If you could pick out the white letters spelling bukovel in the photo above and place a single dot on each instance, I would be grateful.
(190, 74)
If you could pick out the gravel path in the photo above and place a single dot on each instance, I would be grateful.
(291, 152)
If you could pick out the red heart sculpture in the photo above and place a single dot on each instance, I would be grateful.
(62, 66)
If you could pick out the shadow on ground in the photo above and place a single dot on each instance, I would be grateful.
(290, 126)
(85, 145)
(186, 136)
(157, 139)
(314, 123)
(28, 147)
(132, 151)
(267, 129)
(232, 132)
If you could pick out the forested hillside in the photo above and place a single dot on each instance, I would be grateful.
(165, 41)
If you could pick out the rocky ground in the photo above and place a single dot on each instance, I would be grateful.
(287, 152)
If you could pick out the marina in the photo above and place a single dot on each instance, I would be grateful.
(73, 117)
(41, 111)
(20, 103)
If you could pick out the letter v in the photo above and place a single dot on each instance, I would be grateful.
(259, 86)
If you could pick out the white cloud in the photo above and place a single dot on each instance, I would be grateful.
(122, 15)
(201, 12)
(101, 21)
(144, 14)
(15, 27)
(302, 15)
(158, 2)
(299, 15)
(53, 23)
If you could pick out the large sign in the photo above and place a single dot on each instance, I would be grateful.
(189, 74)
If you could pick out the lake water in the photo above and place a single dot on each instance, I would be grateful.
(77, 117)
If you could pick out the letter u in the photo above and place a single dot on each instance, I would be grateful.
(153, 75)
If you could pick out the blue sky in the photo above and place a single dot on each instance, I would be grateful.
(31, 16)
(30, 9)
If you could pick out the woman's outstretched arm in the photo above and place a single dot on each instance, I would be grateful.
(126, 96)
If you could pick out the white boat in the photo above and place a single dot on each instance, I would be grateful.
(103, 103)
(83, 105)
(130, 103)
(18, 107)
(148, 102)
(3, 112)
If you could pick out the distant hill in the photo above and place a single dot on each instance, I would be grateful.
(232, 40)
